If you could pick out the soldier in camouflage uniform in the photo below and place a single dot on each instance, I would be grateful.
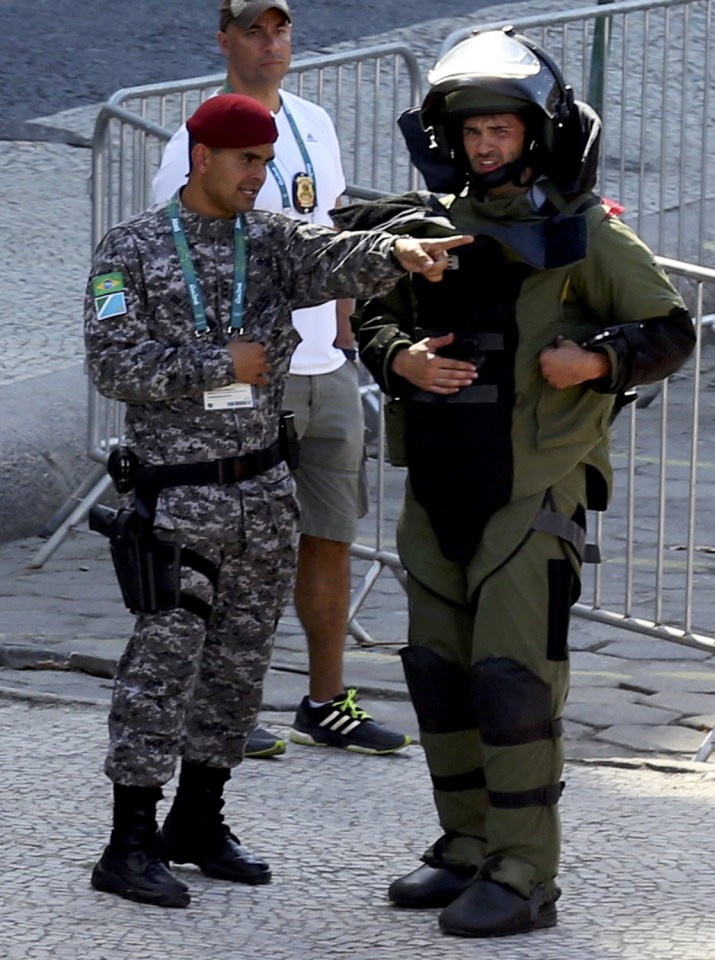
(188, 323)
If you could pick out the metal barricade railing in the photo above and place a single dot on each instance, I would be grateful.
(658, 566)
(647, 65)
(363, 91)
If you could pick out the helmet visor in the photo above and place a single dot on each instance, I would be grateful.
(496, 62)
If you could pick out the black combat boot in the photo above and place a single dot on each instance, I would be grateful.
(131, 864)
(194, 831)
(431, 885)
(488, 908)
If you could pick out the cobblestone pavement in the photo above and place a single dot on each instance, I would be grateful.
(639, 846)
(336, 829)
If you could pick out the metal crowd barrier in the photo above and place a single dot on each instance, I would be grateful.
(362, 90)
(659, 566)
(647, 66)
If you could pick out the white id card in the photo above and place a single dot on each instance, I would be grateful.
(234, 397)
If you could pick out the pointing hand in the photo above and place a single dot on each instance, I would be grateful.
(428, 257)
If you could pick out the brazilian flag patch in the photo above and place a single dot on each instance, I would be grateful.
(107, 283)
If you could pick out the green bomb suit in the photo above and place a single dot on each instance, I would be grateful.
(499, 481)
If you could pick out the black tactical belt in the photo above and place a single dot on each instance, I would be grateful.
(228, 470)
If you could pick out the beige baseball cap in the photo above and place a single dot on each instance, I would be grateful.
(244, 13)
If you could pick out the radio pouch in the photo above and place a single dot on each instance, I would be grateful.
(148, 568)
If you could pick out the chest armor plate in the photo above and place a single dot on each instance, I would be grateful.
(459, 447)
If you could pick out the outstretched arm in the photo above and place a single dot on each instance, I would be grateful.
(428, 257)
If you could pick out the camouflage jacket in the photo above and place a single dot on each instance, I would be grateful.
(144, 351)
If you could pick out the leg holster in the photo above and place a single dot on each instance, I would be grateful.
(148, 567)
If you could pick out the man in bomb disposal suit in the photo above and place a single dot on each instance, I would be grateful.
(504, 380)
(188, 322)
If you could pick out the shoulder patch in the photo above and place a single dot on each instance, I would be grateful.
(107, 283)
(113, 305)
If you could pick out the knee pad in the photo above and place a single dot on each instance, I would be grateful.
(440, 691)
(513, 704)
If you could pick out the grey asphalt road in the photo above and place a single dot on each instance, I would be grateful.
(59, 54)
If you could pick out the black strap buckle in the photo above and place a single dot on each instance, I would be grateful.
(228, 470)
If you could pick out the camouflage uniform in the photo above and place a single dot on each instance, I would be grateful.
(182, 687)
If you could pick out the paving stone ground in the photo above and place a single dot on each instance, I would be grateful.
(637, 865)
(638, 840)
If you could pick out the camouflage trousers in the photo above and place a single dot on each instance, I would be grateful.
(187, 689)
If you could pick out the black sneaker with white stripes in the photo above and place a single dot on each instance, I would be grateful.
(342, 723)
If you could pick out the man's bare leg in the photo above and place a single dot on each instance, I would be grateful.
(322, 598)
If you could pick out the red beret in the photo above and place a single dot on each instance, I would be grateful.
(232, 120)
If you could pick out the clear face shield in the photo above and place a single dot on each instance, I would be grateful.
(495, 61)
(501, 72)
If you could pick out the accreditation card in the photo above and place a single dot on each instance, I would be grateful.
(234, 397)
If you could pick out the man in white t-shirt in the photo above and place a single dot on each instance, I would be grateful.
(305, 181)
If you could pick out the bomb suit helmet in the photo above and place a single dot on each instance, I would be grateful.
(500, 71)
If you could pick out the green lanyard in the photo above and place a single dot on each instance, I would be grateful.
(192, 281)
(275, 172)
(277, 175)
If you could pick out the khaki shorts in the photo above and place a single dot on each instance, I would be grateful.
(331, 480)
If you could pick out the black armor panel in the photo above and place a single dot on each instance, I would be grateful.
(459, 447)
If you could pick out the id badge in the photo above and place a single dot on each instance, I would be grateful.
(303, 193)
(237, 396)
